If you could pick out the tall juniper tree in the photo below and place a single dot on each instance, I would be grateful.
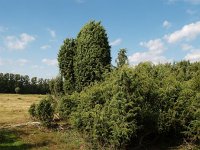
(92, 55)
(66, 64)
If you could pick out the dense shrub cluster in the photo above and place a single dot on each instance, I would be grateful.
(135, 102)
(44, 111)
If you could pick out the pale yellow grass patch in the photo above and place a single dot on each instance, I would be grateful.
(14, 107)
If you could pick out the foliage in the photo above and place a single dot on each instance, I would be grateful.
(67, 105)
(32, 110)
(66, 64)
(84, 60)
(122, 58)
(44, 111)
(134, 103)
(92, 54)
(106, 111)
(56, 86)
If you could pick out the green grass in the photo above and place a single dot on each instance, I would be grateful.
(40, 138)
(9, 140)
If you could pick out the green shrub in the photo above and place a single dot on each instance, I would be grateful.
(137, 104)
(66, 106)
(45, 112)
(107, 112)
(192, 130)
(32, 110)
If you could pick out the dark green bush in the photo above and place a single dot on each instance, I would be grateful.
(107, 111)
(45, 112)
(32, 110)
(136, 102)
(67, 105)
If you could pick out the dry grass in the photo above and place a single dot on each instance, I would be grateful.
(14, 107)
(14, 110)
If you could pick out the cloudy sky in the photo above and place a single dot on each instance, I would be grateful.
(31, 31)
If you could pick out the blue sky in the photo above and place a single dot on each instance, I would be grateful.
(32, 31)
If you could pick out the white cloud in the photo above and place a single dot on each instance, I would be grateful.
(166, 24)
(22, 62)
(52, 33)
(18, 43)
(116, 42)
(147, 56)
(45, 47)
(193, 55)
(188, 32)
(50, 62)
(154, 46)
(154, 51)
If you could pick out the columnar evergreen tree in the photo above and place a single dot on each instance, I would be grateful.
(92, 55)
(66, 66)
(122, 58)
(85, 59)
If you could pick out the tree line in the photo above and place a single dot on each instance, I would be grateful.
(16, 83)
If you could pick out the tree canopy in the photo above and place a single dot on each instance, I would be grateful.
(122, 58)
(85, 59)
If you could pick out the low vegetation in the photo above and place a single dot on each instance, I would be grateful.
(134, 104)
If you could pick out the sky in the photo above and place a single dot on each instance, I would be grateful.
(160, 31)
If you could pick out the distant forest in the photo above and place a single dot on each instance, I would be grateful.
(16, 83)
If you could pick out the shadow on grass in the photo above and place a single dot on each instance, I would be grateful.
(156, 142)
(10, 140)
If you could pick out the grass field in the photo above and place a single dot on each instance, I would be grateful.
(14, 107)
(14, 110)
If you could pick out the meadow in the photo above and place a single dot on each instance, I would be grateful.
(14, 107)
(15, 135)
